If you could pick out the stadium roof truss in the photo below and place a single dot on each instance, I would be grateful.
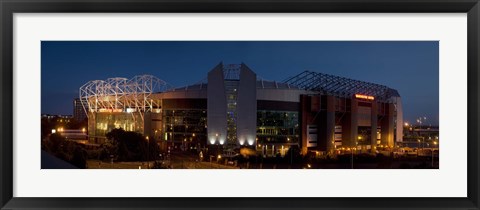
(122, 94)
(340, 86)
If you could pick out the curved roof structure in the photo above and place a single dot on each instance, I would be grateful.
(121, 93)
(340, 86)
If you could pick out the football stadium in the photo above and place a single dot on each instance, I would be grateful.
(234, 108)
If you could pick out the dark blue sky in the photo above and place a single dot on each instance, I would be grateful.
(410, 67)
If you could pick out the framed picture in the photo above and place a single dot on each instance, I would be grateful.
(239, 105)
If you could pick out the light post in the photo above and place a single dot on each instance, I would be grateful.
(351, 152)
(159, 159)
(184, 144)
(194, 142)
(170, 157)
(111, 161)
(211, 157)
(291, 155)
(218, 144)
(418, 147)
(423, 142)
(148, 151)
(355, 148)
(433, 149)
(420, 121)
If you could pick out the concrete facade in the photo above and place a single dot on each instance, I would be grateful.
(247, 107)
(216, 107)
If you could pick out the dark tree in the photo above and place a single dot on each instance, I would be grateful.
(293, 155)
(79, 158)
(130, 146)
(66, 150)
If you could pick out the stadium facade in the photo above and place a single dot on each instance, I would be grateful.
(234, 108)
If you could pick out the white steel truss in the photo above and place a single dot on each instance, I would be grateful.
(122, 95)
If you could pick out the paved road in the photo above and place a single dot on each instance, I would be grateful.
(184, 160)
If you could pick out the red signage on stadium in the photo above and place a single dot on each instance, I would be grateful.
(364, 97)
(110, 110)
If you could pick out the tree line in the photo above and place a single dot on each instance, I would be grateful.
(126, 146)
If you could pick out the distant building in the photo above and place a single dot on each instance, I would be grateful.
(234, 108)
(62, 118)
(78, 111)
(421, 136)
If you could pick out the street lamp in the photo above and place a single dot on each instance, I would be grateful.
(433, 149)
(148, 151)
(218, 143)
(355, 148)
(418, 147)
(423, 142)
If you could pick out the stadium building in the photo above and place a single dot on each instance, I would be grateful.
(234, 108)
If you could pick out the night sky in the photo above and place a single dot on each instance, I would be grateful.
(409, 67)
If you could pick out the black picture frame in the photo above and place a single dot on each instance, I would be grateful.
(9, 7)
